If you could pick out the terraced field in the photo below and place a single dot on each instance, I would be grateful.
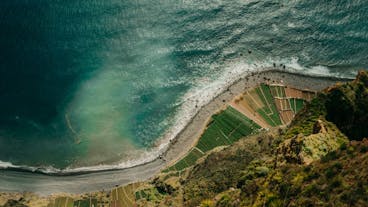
(124, 195)
(86, 203)
(269, 112)
(296, 104)
(118, 197)
(225, 128)
(278, 91)
(63, 202)
(258, 108)
(70, 202)
(261, 107)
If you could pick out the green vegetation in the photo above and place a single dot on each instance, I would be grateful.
(304, 121)
(64, 202)
(230, 125)
(269, 112)
(225, 128)
(346, 106)
(86, 202)
(296, 104)
(310, 163)
(188, 160)
(278, 91)
(150, 194)
(124, 195)
(250, 173)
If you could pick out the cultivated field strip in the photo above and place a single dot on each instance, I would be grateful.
(260, 107)
(224, 129)
(121, 196)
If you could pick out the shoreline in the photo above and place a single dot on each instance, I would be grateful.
(175, 150)
(187, 139)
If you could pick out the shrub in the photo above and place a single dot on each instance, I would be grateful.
(364, 149)
(262, 171)
(343, 146)
(311, 176)
(250, 187)
(273, 201)
(338, 165)
(330, 156)
(164, 188)
(330, 172)
(307, 168)
(224, 201)
(309, 190)
(284, 188)
(335, 183)
(207, 203)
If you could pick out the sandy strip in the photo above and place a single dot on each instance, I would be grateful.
(11, 181)
(189, 136)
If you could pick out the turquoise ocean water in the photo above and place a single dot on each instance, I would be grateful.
(104, 84)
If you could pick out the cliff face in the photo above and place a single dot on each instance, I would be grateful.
(321, 159)
(304, 149)
(347, 105)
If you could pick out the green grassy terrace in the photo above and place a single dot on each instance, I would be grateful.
(224, 129)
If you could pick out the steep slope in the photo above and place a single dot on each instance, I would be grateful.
(319, 159)
(309, 163)
(265, 106)
(347, 106)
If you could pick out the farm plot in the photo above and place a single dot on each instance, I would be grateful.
(225, 128)
(86, 203)
(269, 112)
(124, 195)
(296, 104)
(63, 202)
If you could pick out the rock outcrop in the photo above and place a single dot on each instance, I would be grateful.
(320, 159)
(302, 149)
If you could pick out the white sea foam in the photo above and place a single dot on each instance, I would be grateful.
(205, 90)
(5, 165)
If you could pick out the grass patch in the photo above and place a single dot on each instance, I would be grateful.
(225, 128)
(269, 112)
(296, 104)
(64, 202)
(85, 203)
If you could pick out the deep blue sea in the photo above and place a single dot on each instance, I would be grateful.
(91, 82)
